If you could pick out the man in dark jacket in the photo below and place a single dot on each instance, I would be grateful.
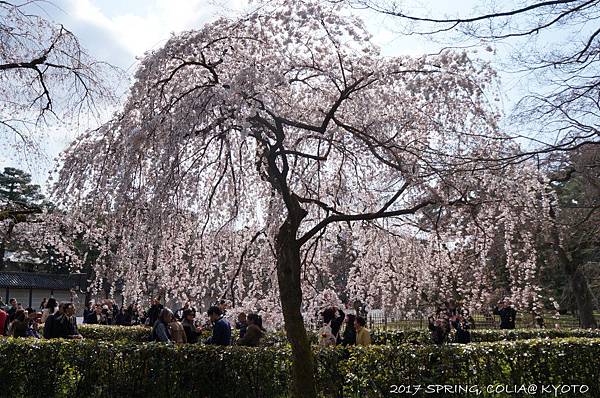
(349, 337)
(154, 311)
(65, 325)
(12, 310)
(88, 311)
(123, 318)
(221, 332)
(49, 324)
(463, 336)
(336, 323)
(507, 313)
(96, 317)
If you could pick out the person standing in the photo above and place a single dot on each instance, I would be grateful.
(135, 314)
(461, 326)
(114, 309)
(221, 331)
(538, 320)
(349, 336)
(160, 330)
(107, 311)
(362, 333)
(97, 317)
(33, 324)
(154, 311)
(12, 310)
(3, 322)
(177, 332)
(65, 324)
(43, 304)
(192, 332)
(241, 324)
(88, 311)
(123, 318)
(507, 313)
(439, 327)
(18, 327)
(50, 321)
(334, 317)
(51, 308)
(223, 307)
(326, 336)
(254, 332)
(179, 312)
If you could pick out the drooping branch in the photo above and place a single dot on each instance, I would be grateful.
(240, 265)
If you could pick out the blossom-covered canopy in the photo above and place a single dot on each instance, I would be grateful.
(230, 126)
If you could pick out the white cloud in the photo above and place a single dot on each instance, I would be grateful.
(147, 26)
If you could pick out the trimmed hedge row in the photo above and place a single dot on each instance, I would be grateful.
(539, 362)
(396, 337)
(91, 368)
(141, 334)
(420, 336)
(114, 333)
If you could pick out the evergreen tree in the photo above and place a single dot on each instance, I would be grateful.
(16, 188)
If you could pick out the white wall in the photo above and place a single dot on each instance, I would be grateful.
(22, 296)
(37, 295)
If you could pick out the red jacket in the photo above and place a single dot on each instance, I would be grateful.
(3, 318)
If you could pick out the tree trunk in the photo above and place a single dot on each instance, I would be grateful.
(290, 292)
(581, 291)
(583, 298)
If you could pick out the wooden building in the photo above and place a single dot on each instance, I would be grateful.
(30, 288)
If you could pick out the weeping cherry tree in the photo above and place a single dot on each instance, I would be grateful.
(246, 145)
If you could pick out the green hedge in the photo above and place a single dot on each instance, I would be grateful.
(114, 333)
(379, 337)
(91, 368)
(372, 372)
(141, 334)
(420, 336)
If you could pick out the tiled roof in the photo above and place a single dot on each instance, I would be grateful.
(29, 280)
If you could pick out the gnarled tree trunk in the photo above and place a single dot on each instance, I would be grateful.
(583, 297)
(290, 292)
(572, 264)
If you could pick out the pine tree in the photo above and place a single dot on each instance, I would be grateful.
(16, 188)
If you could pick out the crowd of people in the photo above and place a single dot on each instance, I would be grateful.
(355, 330)
(59, 320)
(107, 312)
(184, 326)
(453, 319)
(450, 318)
(166, 326)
